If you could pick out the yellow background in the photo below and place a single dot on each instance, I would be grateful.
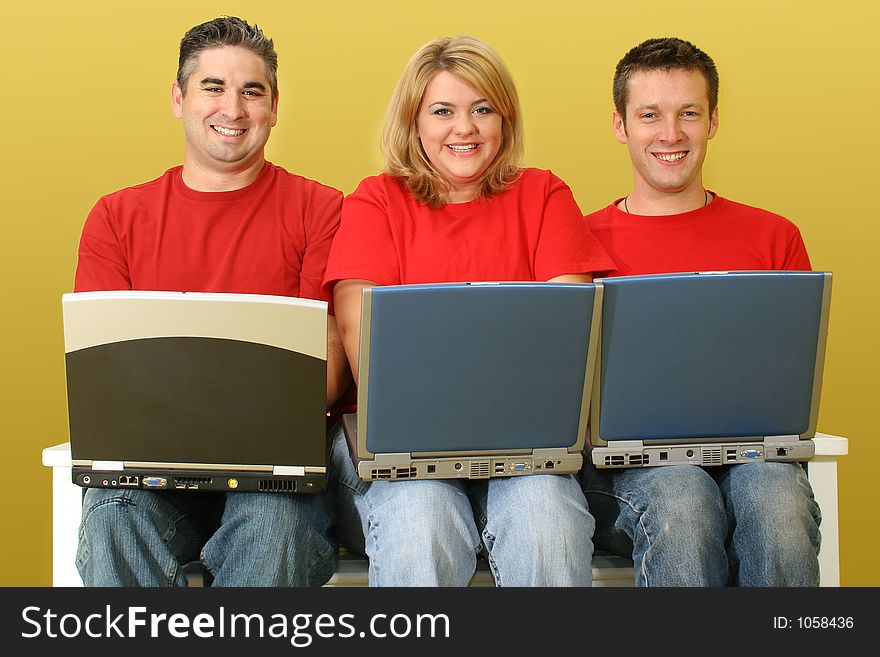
(86, 111)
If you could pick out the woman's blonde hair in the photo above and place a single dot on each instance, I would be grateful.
(479, 65)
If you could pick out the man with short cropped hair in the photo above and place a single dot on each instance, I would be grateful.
(225, 221)
(753, 524)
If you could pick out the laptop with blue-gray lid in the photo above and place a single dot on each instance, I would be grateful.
(474, 380)
(196, 391)
(709, 368)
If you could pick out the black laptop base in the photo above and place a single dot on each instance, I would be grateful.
(199, 481)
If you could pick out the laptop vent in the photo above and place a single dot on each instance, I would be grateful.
(479, 469)
(712, 456)
(277, 486)
(622, 461)
(393, 473)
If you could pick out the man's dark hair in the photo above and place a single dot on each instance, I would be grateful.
(220, 32)
(663, 55)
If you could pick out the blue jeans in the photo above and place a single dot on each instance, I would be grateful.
(754, 524)
(143, 538)
(536, 529)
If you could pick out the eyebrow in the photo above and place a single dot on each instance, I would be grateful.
(253, 84)
(655, 107)
(446, 103)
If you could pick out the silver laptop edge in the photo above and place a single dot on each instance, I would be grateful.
(635, 453)
(404, 466)
(363, 369)
(285, 470)
(820, 356)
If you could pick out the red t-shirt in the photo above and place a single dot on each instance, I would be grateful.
(271, 237)
(532, 231)
(722, 236)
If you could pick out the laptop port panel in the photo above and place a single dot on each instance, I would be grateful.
(473, 467)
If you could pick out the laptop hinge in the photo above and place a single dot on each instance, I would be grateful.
(289, 470)
(108, 465)
(544, 453)
(626, 444)
(391, 458)
(789, 448)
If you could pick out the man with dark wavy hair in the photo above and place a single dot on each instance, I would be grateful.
(225, 221)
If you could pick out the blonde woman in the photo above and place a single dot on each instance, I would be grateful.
(455, 204)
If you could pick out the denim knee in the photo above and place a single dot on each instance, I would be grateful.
(770, 494)
(670, 498)
(674, 518)
(272, 539)
(537, 531)
(124, 540)
(686, 496)
(419, 533)
(775, 522)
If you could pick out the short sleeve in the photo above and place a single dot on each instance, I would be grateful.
(363, 247)
(102, 263)
(321, 223)
(796, 258)
(566, 245)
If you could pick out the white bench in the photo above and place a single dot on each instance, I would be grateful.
(608, 569)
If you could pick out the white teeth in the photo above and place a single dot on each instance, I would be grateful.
(462, 149)
(226, 132)
(670, 157)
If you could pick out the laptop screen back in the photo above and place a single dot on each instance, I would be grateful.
(710, 355)
(461, 367)
(196, 378)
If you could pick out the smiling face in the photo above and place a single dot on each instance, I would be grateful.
(460, 132)
(667, 130)
(227, 111)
